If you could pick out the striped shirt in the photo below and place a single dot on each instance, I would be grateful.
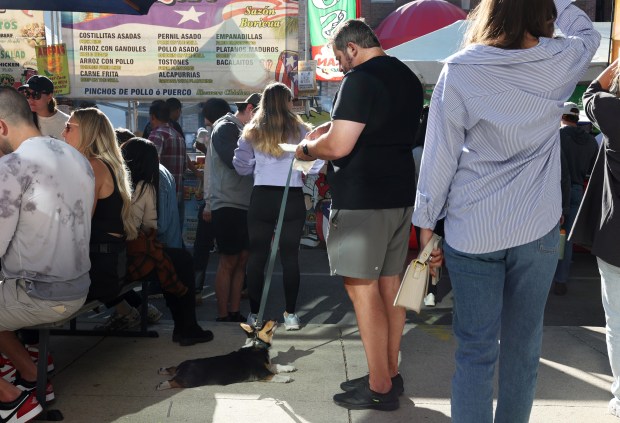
(491, 161)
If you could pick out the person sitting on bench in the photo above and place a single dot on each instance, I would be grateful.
(46, 202)
(157, 251)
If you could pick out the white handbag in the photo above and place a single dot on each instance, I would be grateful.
(415, 281)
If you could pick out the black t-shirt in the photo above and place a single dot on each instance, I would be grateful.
(379, 173)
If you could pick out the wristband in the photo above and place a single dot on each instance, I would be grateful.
(304, 148)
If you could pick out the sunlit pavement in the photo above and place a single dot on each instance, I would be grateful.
(113, 379)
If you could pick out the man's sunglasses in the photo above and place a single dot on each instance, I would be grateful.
(35, 95)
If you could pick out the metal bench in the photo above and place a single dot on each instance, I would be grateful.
(56, 328)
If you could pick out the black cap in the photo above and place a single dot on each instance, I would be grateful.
(253, 99)
(40, 84)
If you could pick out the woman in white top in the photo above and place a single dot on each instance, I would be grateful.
(274, 122)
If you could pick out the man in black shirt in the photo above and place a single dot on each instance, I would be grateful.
(371, 175)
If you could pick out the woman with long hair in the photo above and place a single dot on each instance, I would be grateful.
(274, 122)
(153, 186)
(91, 132)
(491, 167)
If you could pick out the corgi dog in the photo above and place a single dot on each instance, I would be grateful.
(248, 364)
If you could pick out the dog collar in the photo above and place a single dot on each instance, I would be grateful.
(257, 343)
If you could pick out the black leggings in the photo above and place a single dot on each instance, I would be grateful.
(262, 219)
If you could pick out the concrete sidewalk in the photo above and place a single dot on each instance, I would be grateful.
(114, 379)
(107, 379)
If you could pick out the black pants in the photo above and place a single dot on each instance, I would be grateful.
(183, 309)
(262, 219)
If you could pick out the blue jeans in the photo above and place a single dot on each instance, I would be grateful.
(499, 297)
(563, 269)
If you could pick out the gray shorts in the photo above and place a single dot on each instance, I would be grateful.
(19, 310)
(366, 244)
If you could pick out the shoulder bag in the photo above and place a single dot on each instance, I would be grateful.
(415, 281)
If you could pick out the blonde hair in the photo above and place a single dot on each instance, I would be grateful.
(273, 122)
(98, 140)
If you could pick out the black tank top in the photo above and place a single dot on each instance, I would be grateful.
(107, 218)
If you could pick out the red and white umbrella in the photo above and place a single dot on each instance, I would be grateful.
(417, 18)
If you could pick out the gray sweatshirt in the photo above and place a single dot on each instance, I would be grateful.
(226, 187)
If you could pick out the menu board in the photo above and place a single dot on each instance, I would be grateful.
(189, 50)
(21, 31)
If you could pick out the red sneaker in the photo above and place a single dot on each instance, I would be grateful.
(26, 386)
(22, 410)
(7, 370)
(34, 354)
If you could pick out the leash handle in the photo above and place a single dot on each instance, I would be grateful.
(274, 250)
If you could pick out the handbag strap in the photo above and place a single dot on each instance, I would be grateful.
(428, 249)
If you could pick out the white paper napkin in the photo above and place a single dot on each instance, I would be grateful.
(300, 165)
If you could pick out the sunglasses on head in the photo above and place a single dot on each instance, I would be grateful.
(35, 95)
(68, 126)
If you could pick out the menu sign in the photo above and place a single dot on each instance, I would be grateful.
(228, 48)
(52, 62)
(21, 31)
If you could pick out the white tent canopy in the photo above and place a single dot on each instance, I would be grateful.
(424, 55)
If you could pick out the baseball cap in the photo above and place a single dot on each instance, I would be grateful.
(571, 109)
(40, 84)
(253, 99)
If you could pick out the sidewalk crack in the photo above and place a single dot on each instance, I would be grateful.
(344, 354)
(346, 367)
(581, 339)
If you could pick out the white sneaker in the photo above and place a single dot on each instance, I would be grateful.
(117, 322)
(291, 321)
(429, 300)
(153, 315)
(614, 407)
(251, 319)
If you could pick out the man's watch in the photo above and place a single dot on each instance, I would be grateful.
(304, 148)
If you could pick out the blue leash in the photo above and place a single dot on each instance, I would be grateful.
(274, 250)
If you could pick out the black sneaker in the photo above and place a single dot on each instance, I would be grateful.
(364, 398)
(236, 317)
(351, 385)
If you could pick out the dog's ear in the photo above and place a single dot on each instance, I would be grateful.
(247, 328)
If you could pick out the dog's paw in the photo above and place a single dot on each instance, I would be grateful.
(286, 368)
(163, 385)
(281, 379)
(163, 371)
(281, 368)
